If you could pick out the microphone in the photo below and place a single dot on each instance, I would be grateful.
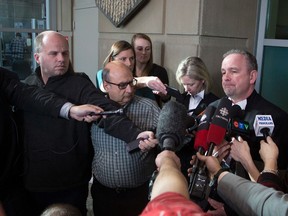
(198, 111)
(114, 112)
(219, 124)
(191, 123)
(200, 142)
(199, 187)
(237, 127)
(170, 131)
(171, 127)
(173, 92)
(263, 125)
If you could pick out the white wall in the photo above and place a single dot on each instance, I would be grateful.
(85, 37)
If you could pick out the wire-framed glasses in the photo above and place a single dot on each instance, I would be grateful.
(124, 85)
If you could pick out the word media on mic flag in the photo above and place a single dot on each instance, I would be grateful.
(262, 123)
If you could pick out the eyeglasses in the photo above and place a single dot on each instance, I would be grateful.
(122, 86)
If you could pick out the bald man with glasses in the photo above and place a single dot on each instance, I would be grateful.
(120, 177)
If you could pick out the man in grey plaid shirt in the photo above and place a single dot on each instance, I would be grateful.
(18, 46)
(120, 178)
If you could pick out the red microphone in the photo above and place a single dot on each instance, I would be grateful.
(200, 142)
(219, 123)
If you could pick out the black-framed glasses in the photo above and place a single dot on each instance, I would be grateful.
(124, 85)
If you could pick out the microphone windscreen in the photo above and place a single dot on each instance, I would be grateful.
(219, 123)
(203, 127)
(171, 127)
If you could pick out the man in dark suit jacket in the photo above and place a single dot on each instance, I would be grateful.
(239, 74)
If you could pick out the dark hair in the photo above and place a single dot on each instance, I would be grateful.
(105, 74)
(251, 60)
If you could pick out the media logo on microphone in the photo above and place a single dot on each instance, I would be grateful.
(224, 111)
(263, 121)
(240, 125)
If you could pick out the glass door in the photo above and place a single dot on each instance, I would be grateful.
(272, 52)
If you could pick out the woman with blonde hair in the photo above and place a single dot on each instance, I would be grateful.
(193, 75)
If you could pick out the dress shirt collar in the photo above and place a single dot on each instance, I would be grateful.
(242, 103)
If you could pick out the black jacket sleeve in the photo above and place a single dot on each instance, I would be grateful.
(29, 98)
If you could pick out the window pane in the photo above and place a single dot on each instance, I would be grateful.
(19, 14)
(275, 76)
(277, 20)
(20, 22)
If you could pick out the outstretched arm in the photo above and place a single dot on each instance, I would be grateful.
(170, 178)
(246, 197)
(151, 82)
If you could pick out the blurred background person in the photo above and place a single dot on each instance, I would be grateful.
(142, 45)
(18, 46)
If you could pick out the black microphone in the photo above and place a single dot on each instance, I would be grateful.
(237, 127)
(173, 92)
(171, 127)
(170, 131)
(114, 112)
(191, 123)
(263, 125)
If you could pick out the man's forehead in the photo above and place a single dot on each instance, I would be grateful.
(120, 75)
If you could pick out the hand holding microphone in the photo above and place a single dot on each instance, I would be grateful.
(269, 153)
(201, 146)
(170, 132)
(199, 187)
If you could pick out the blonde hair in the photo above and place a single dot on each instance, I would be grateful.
(194, 68)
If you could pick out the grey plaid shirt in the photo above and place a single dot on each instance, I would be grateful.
(112, 165)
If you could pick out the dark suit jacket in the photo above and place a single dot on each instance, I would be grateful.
(208, 98)
(257, 105)
(188, 150)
